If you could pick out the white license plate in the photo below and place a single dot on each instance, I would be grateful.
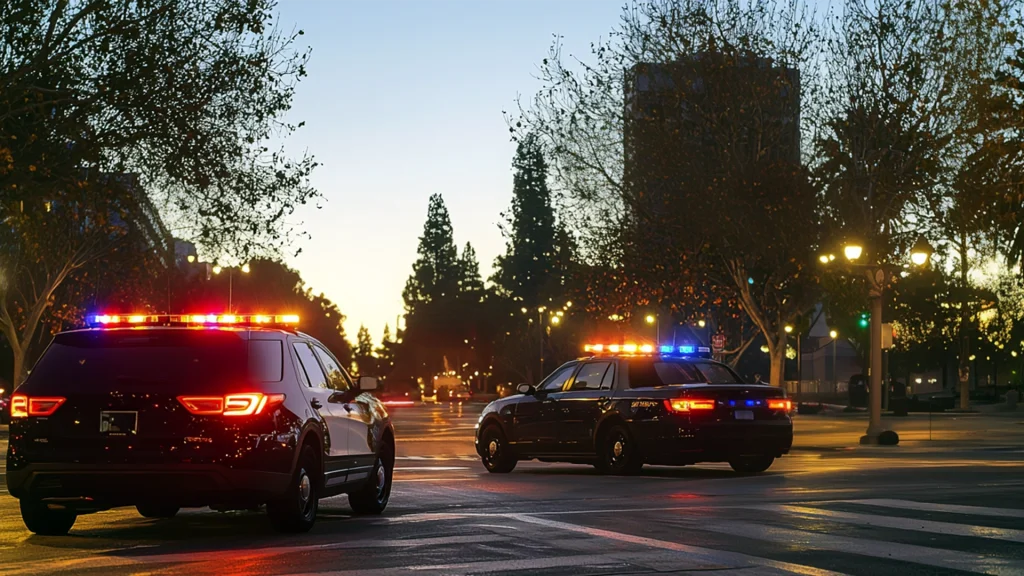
(744, 415)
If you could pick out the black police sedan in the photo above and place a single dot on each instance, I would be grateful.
(628, 405)
(165, 412)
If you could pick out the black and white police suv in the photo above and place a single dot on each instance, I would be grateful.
(163, 412)
(625, 405)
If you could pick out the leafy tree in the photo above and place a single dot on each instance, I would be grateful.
(695, 180)
(187, 94)
(386, 353)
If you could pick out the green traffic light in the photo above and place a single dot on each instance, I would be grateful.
(864, 321)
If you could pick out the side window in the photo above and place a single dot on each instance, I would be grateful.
(557, 380)
(336, 377)
(314, 373)
(591, 376)
(609, 378)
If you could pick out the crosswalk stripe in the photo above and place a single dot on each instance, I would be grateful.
(916, 524)
(965, 561)
(704, 554)
(929, 507)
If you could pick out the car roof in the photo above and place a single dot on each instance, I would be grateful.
(245, 332)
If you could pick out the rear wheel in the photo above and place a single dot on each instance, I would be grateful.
(497, 454)
(373, 498)
(751, 464)
(158, 510)
(40, 519)
(618, 453)
(295, 511)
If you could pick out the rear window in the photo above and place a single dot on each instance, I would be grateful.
(645, 373)
(206, 359)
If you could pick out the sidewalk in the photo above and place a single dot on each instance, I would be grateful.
(918, 432)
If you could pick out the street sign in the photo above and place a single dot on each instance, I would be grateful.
(887, 336)
(718, 342)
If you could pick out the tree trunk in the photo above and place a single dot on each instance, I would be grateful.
(19, 364)
(777, 372)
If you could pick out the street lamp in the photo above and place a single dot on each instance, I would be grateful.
(555, 320)
(834, 335)
(878, 275)
(217, 270)
(788, 329)
(650, 319)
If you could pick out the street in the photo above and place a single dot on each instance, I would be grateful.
(951, 505)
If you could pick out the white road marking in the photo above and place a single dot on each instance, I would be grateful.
(955, 559)
(721, 557)
(929, 507)
(915, 524)
(232, 555)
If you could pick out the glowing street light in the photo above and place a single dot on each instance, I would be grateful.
(650, 319)
(555, 320)
(701, 323)
(853, 251)
(245, 268)
(921, 252)
(217, 269)
(788, 329)
(833, 334)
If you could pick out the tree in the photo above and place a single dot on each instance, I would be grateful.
(906, 114)
(187, 94)
(525, 272)
(363, 354)
(432, 294)
(386, 353)
(709, 127)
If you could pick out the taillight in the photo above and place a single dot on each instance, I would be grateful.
(23, 406)
(231, 405)
(780, 404)
(689, 404)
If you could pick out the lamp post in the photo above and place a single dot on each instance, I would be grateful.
(231, 274)
(799, 363)
(835, 383)
(654, 320)
(878, 276)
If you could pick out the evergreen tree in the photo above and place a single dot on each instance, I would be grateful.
(364, 359)
(386, 353)
(435, 273)
(525, 269)
(470, 282)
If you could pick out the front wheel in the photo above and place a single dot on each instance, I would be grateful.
(40, 519)
(618, 453)
(497, 454)
(751, 464)
(295, 511)
(373, 498)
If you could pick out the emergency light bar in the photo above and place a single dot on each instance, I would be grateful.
(123, 320)
(685, 350)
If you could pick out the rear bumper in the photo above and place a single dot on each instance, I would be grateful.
(720, 442)
(110, 485)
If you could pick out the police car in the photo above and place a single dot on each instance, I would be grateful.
(163, 412)
(623, 406)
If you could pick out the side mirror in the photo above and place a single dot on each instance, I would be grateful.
(367, 383)
(525, 389)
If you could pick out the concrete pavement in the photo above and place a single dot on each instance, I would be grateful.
(825, 509)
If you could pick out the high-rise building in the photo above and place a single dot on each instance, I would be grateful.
(694, 119)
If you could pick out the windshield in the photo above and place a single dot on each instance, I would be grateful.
(649, 373)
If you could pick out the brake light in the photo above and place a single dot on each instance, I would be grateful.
(230, 405)
(780, 404)
(23, 406)
(689, 404)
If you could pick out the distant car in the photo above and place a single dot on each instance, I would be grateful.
(397, 399)
(625, 406)
(165, 412)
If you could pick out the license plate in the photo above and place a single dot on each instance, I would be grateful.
(119, 423)
(744, 415)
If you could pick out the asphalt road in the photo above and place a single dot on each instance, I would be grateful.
(952, 505)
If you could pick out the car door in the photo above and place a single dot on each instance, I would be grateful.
(318, 392)
(581, 404)
(536, 420)
(353, 412)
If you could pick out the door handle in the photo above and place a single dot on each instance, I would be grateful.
(315, 404)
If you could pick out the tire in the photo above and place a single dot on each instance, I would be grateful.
(373, 498)
(497, 457)
(40, 519)
(295, 511)
(158, 510)
(751, 464)
(618, 453)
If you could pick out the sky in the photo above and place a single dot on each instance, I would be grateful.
(404, 99)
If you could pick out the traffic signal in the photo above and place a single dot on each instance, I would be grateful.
(865, 320)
